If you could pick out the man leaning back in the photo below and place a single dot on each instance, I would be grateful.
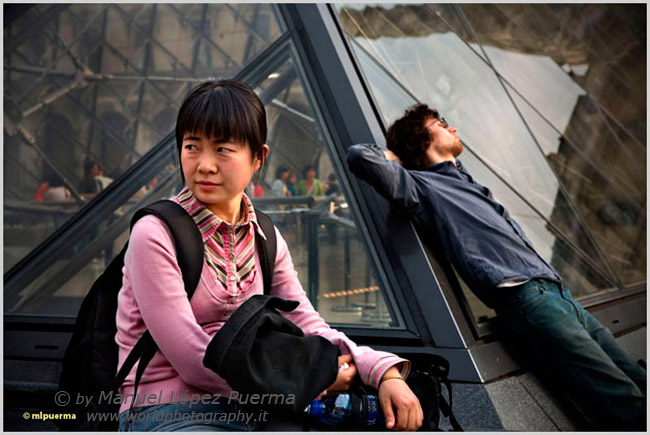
(421, 176)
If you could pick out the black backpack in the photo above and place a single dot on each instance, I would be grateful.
(90, 360)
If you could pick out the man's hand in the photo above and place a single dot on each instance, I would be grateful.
(345, 376)
(394, 393)
(391, 156)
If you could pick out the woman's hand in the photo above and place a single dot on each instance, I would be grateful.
(394, 393)
(345, 376)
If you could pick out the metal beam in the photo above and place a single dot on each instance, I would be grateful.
(251, 34)
(126, 60)
(247, 24)
(98, 76)
(40, 259)
(164, 49)
(97, 67)
(197, 44)
(108, 128)
(34, 85)
(39, 22)
(201, 35)
(49, 99)
(148, 56)
(19, 132)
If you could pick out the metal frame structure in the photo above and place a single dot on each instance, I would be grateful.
(426, 293)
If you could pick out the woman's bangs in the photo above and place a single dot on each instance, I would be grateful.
(222, 117)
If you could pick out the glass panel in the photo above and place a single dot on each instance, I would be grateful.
(580, 273)
(389, 95)
(328, 253)
(611, 201)
(326, 248)
(573, 80)
(466, 90)
(76, 86)
(602, 47)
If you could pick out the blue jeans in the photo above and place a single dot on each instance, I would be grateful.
(570, 346)
(189, 417)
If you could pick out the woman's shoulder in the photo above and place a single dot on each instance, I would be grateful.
(148, 229)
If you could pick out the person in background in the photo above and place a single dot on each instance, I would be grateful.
(421, 176)
(90, 186)
(291, 183)
(56, 190)
(103, 180)
(279, 187)
(310, 186)
(254, 188)
(331, 185)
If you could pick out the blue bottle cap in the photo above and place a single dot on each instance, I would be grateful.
(315, 408)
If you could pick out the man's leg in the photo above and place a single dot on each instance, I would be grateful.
(608, 343)
(547, 326)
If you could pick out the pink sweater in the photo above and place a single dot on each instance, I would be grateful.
(153, 295)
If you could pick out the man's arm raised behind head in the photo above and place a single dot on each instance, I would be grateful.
(390, 180)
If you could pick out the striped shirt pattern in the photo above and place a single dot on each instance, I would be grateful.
(230, 252)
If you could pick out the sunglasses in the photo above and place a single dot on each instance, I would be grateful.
(442, 122)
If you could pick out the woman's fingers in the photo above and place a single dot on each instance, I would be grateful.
(408, 415)
(387, 407)
(343, 359)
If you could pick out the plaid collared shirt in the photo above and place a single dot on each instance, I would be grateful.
(229, 251)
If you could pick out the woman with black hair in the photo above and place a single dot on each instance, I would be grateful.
(220, 136)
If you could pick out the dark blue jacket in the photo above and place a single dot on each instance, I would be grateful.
(485, 245)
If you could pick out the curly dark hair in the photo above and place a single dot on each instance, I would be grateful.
(409, 139)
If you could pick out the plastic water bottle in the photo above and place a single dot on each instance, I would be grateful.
(348, 410)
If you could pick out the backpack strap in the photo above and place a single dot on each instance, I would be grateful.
(186, 235)
(189, 255)
(440, 368)
(267, 249)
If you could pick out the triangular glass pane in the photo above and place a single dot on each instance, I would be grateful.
(467, 92)
(258, 23)
(538, 43)
(390, 97)
(613, 208)
(122, 53)
(107, 117)
(328, 253)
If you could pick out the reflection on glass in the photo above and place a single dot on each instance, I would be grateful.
(392, 98)
(606, 195)
(325, 246)
(581, 274)
(572, 79)
(592, 226)
(328, 253)
(59, 289)
(102, 83)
